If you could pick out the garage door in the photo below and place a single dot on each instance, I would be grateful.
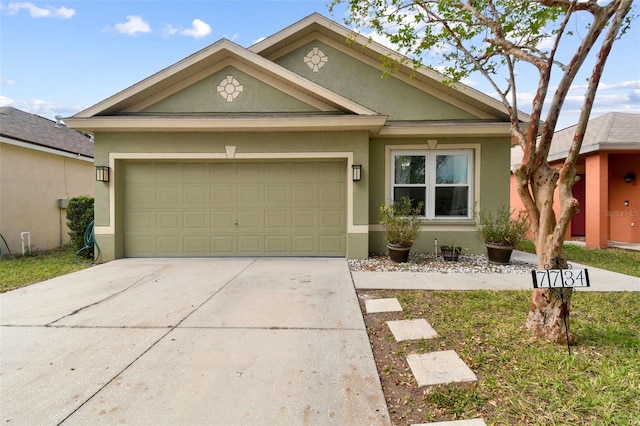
(235, 208)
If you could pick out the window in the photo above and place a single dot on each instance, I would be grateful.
(442, 180)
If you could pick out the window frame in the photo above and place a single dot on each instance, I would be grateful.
(430, 184)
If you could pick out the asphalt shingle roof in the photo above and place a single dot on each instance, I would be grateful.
(30, 128)
(612, 131)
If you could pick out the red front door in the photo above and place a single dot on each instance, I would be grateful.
(578, 221)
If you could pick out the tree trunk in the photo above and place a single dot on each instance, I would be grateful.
(548, 316)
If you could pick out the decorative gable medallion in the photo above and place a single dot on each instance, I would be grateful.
(316, 59)
(230, 88)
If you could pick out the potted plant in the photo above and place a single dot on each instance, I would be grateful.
(501, 232)
(401, 221)
(450, 252)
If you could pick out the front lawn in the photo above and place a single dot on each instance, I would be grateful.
(21, 271)
(520, 380)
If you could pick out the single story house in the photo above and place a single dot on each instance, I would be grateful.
(288, 148)
(608, 191)
(42, 164)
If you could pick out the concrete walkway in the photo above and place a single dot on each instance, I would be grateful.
(600, 279)
(190, 342)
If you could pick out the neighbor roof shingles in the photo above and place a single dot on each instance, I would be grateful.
(23, 126)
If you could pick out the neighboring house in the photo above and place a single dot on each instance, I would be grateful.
(42, 164)
(608, 191)
(254, 151)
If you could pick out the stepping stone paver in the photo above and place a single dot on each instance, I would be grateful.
(412, 329)
(435, 368)
(470, 422)
(382, 305)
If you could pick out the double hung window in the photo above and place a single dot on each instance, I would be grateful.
(442, 180)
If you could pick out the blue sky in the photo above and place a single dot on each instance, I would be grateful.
(62, 56)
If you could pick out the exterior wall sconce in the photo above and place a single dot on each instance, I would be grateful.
(357, 172)
(629, 177)
(102, 174)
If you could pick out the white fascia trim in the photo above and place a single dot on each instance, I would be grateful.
(228, 124)
(114, 156)
(45, 149)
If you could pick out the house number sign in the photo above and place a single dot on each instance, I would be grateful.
(560, 278)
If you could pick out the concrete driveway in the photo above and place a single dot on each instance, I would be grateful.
(189, 341)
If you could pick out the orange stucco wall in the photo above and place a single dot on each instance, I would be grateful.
(612, 207)
(624, 198)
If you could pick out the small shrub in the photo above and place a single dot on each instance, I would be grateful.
(401, 222)
(79, 217)
(501, 227)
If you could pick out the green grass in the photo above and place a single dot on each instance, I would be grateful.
(612, 259)
(21, 271)
(522, 380)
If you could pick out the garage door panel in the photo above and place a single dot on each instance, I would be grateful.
(223, 245)
(303, 219)
(277, 220)
(250, 220)
(141, 245)
(140, 221)
(250, 245)
(250, 195)
(277, 195)
(249, 172)
(195, 196)
(239, 208)
(222, 220)
(168, 221)
(304, 194)
(169, 245)
(331, 172)
(330, 243)
(141, 195)
(277, 172)
(222, 195)
(195, 173)
(330, 220)
(196, 245)
(303, 244)
(196, 220)
(275, 245)
(168, 195)
(168, 172)
(332, 195)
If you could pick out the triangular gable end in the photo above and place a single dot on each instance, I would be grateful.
(460, 96)
(218, 57)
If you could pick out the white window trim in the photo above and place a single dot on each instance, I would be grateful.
(433, 146)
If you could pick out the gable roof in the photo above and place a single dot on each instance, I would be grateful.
(189, 69)
(613, 131)
(124, 111)
(316, 23)
(21, 126)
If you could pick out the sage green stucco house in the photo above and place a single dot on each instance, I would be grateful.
(251, 151)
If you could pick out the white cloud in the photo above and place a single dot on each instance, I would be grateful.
(198, 29)
(41, 107)
(40, 12)
(169, 30)
(134, 25)
(7, 81)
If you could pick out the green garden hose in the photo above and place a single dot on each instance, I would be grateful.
(89, 241)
